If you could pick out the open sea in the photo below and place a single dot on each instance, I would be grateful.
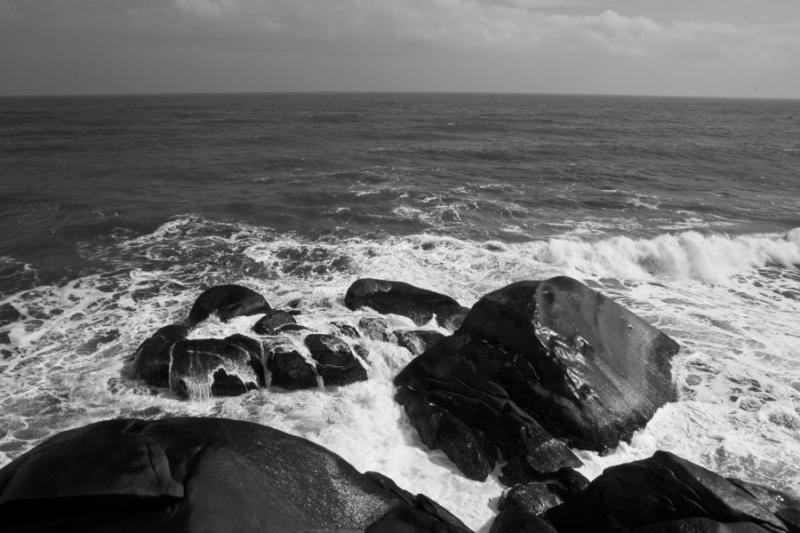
(116, 212)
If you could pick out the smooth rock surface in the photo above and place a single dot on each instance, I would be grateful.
(417, 341)
(201, 476)
(287, 367)
(227, 301)
(202, 368)
(661, 493)
(399, 298)
(151, 360)
(272, 321)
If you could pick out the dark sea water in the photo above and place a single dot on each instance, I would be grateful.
(117, 211)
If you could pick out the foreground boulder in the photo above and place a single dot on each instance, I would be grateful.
(202, 368)
(272, 321)
(417, 341)
(287, 367)
(533, 361)
(227, 301)
(201, 475)
(666, 493)
(399, 298)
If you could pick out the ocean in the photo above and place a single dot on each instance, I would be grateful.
(118, 211)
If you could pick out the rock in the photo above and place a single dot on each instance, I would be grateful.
(287, 367)
(539, 496)
(461, 378)
(200, 475)
(151, 360)
(8, 314)
(701, 525)
(290, 328)
(417, 341)
(272, 321)
(375, 328)
(516, 520)
(399, 298)
(255, 350)
(227, 301)
(596, 371)
(210, 367)
(336, 363)
(662, 489)
(347, 330)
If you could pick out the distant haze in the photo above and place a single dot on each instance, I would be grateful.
(738, 48)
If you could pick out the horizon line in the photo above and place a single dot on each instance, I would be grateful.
(387, 92)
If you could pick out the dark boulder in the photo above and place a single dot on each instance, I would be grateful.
(272, 321)
(702, 525)
(287, 368)
(598, 371)
(200, 475)
(536, 497)
(290, 328)
(662, 493)
(399, 298)
(210, 367)
(8, 314)
(336, 363)
(151, 360)
(227, 301)
(516, 520)
(255, 350)
(457, 378)
(375, 328)
(417, 341)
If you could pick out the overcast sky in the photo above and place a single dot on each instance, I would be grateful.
(664, 47)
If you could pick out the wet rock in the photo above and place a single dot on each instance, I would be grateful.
(290, 328)
(227, 301)
(255, 350)
(702, 525)
(336, 363)
(151, 360)
(662, 489)
(347, 330)
(516, 520)
(375, 328)
(287, 368)
(272, 321)
(198, 475)
(210, 367)
(459, 376)
(8, 314)
(597, 372)
(417, 341)
(399, 298)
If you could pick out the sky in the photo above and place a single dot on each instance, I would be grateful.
(729, 48)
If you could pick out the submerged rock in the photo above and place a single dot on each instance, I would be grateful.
(151, 360)
(666, 493)
(227, 301)
(533, 361)
(201, 475)
(273, 320)
(399, 298)
(210, 367)
(336, 363)
(417, 341)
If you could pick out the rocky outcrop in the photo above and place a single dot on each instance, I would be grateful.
(666, 493)
(417, 341)
(375, 328)
(201, 475)
(336, 363)
(152, 358)
(399, 298)
(533, 361)
(202, 368)
(227, 301)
